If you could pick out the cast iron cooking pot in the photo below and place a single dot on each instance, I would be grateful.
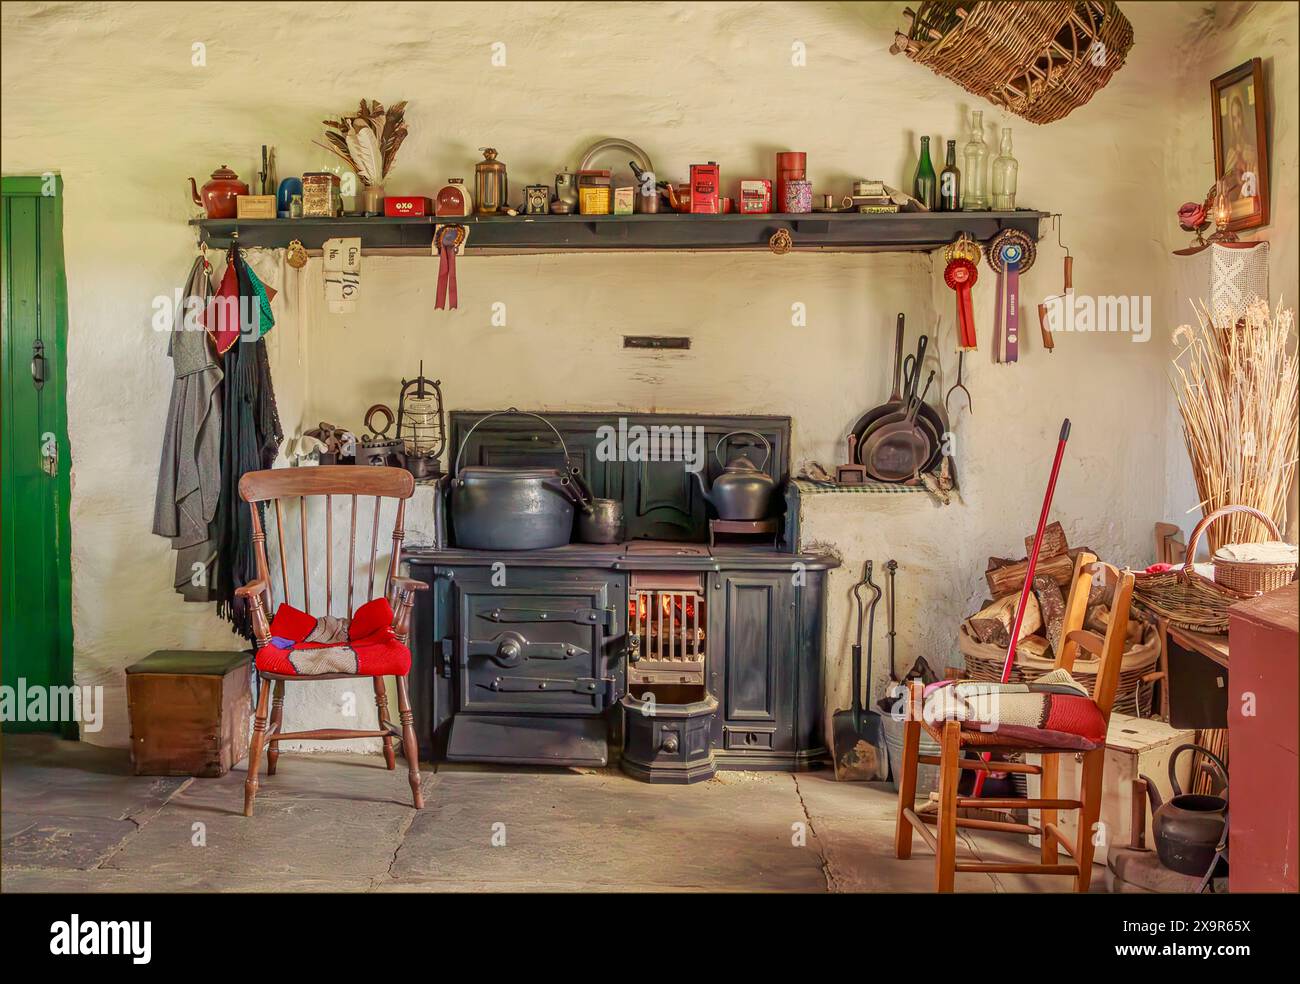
(513, 508)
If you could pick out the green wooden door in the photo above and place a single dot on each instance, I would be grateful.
(35, 575)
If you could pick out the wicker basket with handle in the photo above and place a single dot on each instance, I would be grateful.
(1039, 60)
(1189, 599)
(1243, 576)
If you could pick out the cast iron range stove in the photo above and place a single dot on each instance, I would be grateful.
(672, 656)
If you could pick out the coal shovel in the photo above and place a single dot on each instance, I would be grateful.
(859, 741)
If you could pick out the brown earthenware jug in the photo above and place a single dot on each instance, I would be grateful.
(219, 194)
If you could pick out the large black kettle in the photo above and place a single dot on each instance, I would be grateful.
(1188, 828)
(743, 491)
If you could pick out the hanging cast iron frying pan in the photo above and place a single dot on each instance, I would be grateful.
(896, 450)
(927, 416)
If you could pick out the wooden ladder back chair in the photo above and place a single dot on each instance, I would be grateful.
(360, 483)
(953, 740)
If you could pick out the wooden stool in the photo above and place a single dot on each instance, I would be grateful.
(189, 712)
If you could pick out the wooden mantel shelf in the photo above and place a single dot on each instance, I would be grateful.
(828, 231)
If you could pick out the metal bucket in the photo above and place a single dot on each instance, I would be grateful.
(927, 776)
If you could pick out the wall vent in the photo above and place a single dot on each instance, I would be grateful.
(678, 342)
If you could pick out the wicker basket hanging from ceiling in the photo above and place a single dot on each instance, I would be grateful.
(1038, 60)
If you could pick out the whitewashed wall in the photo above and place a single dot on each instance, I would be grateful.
(1230, 35)
(109, 96)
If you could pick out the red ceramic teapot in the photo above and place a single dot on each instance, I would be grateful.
(219, 194)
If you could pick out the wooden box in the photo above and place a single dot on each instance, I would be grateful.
(255, 207)
(1134, 746)
(190, 712)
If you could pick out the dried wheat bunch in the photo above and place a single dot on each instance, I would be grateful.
(1237, 387)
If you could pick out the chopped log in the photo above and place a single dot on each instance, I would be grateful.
(1054, 544)
(1097, 619)
(1052, 605)
(1034, 645)
(1011, 578)
(992, 625)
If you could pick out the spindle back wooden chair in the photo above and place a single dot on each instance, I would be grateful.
(953, 739)
(328, 482)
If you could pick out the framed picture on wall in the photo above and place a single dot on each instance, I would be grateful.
(1239, 106)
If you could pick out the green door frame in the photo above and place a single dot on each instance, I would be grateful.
(54, 286)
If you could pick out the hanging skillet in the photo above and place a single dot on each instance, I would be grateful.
(898, 450)
(928, 416)
(924, 417)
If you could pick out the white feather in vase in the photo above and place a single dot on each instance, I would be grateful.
(363, 145)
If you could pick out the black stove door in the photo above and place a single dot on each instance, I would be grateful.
(545, 649)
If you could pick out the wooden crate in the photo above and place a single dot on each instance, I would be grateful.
(189, 712)
(1134, 746)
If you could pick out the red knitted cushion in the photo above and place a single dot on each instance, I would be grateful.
(364, 646)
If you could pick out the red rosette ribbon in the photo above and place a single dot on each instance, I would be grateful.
(960, 275)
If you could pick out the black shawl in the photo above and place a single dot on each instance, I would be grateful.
(250, 439)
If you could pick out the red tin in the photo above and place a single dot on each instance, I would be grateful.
(706, 180)
(791, 165)
(755, 196)
(415, 205)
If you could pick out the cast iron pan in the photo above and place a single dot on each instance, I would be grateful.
(895, 401)
(905, 439)
(927, 416)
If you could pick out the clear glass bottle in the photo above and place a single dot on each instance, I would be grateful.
(975, 155)
(1006, 170)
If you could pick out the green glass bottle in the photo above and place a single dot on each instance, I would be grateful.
(950, 182)
(925, 182)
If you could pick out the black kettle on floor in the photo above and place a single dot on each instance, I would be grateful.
(1188, 828)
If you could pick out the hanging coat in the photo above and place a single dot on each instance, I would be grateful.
(250, 438)
(189, 473)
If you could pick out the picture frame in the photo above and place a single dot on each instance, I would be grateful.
(1239, 115)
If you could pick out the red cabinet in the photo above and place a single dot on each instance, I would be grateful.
(1263, 722)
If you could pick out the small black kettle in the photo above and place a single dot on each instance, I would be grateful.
(743, 491)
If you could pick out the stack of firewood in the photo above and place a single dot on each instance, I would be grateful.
(1040, 632)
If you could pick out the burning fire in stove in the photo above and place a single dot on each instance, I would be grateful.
(667, 628)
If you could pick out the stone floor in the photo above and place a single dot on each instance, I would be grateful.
(75, 819)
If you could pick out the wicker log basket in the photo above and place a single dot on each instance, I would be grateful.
(1040, 61)
(984, 662)
(1193, 601)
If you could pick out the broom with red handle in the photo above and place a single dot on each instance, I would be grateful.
(1029, 574)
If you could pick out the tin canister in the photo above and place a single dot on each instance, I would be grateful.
(755, 196)
(706, 180)
(320, 195)
(798, 196)
(595, 193)
(791, 165)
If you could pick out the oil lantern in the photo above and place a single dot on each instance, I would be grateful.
(490, 187)
(420, 424)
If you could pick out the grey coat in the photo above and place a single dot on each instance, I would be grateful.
(189, 474)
